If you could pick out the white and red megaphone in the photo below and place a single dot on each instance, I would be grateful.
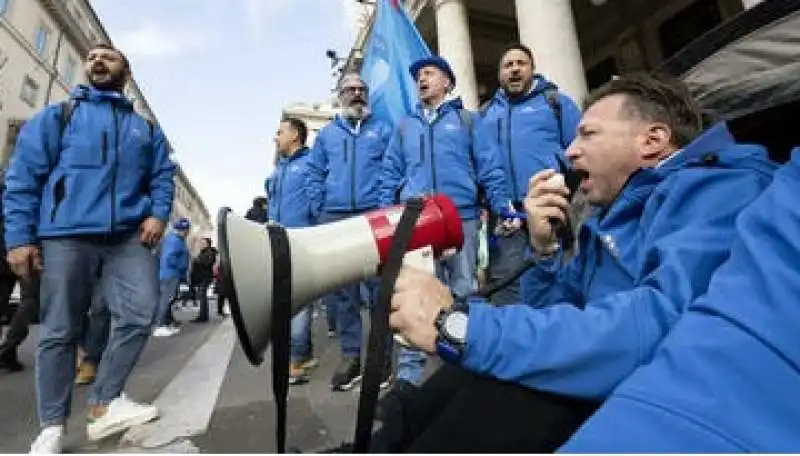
(257, 262)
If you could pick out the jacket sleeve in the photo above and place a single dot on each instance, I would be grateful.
(33, 159)
(162, 177)
(488, 167)
(316, 175)
(551, 282)
(586, 353)
(570, 118)
(394, 169)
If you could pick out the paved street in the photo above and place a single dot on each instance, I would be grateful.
(211, 399)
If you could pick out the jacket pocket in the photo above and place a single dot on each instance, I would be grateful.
(59, 193)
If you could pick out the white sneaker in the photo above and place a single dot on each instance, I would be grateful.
(164, 331)
(49, 441)
(121, 414)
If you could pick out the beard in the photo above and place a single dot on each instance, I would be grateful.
(355, 111)
(103, 79)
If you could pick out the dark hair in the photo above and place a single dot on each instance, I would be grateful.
(517, 47)
(656, 98)
(300, 127)
(112, 48)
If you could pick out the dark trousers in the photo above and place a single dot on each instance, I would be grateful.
(26, 312)
(455, 411)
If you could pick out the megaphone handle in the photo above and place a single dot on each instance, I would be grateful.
(379, 332)
(281, 327)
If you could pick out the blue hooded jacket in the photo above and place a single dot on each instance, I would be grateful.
(528, 133)
(175, 257)
(446, 156)
(345, 165)
(726, 379)
(290, 197)
(588, 325)
(105, 176)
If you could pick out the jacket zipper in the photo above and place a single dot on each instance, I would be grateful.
(513, 168)
(279, 191)
(433, 158)
(344, 146)
(104, 150)
(353, 177)
(115, 165)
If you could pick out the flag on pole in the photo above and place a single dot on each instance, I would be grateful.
(393, 45)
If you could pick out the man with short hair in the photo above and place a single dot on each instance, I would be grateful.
(666, 196)
(90, 185)
(173, 266)
(291, 205)
(533, 124)
(258, 211)
(440, 149)
(725, 379)
(345, 173)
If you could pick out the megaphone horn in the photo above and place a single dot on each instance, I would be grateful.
(319, 260)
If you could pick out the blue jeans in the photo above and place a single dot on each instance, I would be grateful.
(97, 326)
(345, 304)
(301, 349)
(458, 272)
(129, 284)
(505, 255)
(168, 290)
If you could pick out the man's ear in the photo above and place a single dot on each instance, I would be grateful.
(656, 142)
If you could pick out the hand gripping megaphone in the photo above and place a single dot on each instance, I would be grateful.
(320, 259)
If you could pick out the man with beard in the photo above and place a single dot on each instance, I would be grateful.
(345, 170)
(667, 195)
(532, 124)
(90, 186)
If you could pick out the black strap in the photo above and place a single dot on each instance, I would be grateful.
(379, 331)
(281, 326)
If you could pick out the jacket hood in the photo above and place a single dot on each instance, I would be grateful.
(299, 154)
(453, 104)
(85, 92)
(541, 84)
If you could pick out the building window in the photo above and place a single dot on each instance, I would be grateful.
(42, 37)
(30, 90)
(4, 6)
(68, 71)
(687, 25)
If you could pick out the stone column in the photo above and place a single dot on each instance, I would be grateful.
(750, 3)
(456, 47)
(548, 28)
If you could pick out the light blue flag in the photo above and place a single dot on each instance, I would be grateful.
(393, 45)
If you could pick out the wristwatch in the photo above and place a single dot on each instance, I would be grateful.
(451, 326)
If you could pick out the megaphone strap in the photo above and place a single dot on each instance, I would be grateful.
(281, 326)
(379, 328)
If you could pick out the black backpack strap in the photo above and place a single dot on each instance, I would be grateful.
(551, 95)
(281, 326)
(67, 109)
(380, 331)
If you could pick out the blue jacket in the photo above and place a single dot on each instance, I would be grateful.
(345, 165)
(726, 379)
(588, 325)
(447, 157)
(528, 133)
(106, 175)
(175, 257)
(290, 198)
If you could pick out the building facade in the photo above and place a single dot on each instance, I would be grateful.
(578, 44)
(42, 44)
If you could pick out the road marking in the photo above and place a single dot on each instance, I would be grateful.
(187, 403)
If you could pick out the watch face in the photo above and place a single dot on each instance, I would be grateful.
(455, 325)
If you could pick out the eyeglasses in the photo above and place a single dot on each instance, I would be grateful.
(353, 90)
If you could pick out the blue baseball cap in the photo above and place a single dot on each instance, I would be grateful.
(182, 224)
(434, 61)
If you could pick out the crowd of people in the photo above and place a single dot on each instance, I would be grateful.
(591, 341)
(674, 305)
